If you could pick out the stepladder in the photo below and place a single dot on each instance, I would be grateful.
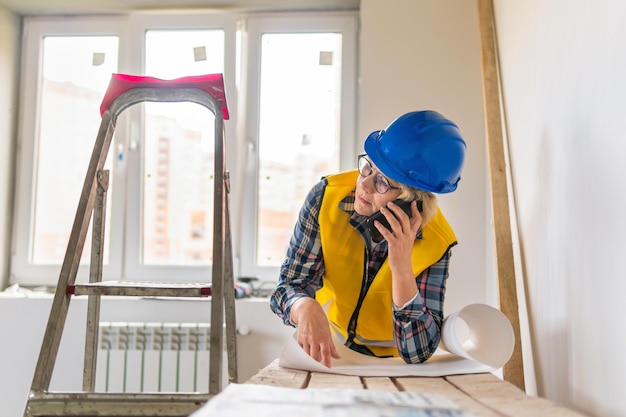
(123, 92)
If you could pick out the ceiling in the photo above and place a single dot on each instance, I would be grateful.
(55, 7)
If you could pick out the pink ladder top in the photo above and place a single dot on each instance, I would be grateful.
(213, 84)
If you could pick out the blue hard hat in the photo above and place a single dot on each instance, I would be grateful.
(421, 149)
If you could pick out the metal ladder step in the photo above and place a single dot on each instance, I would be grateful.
(141, 289)
(114, 404)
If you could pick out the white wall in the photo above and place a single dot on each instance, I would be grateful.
(563, 69)
(9, 60)
(425, 54)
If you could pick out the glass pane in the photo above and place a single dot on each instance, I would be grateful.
(298, 132)
(179, 141)
(76, 73)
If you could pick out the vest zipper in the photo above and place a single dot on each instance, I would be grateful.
(365, 285)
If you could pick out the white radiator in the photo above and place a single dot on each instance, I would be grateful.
(154, 357)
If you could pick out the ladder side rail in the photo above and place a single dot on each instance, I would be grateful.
(69, 268)
(216, 343)
(95, 275)
(229, 297)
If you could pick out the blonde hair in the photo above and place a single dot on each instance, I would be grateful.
(429, 201)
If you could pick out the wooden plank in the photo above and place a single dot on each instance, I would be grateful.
(381, 383)
(505, 267)
(507, 398)
(274, 375)
(323, 380)
(442, 387)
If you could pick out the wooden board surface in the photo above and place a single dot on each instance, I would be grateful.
(506, 398)
(280, 377)
(485, 395)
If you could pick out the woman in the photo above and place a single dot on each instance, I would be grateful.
(381, 296)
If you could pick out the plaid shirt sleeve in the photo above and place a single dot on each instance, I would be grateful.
(301, 272)
(418, 323)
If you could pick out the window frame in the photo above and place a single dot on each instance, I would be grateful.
(35, 29)
(255, 27)
(124, 234)
(140, 23)
(242, 90)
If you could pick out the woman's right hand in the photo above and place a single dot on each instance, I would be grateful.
(313, 333)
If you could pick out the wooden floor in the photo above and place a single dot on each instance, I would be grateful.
(482, 394)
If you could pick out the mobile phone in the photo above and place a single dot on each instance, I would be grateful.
(403, 204)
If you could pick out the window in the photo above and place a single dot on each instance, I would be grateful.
(67, 64)
(300, 125)
(159, 215)
(75, 73)
(170, 233)
(178, 153)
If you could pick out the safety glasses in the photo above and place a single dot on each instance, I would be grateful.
(381, 183)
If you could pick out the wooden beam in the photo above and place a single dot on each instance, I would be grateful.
(505, 267)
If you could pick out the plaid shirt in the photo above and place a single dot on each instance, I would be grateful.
(417, 324)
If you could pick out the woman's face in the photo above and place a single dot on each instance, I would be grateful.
(368, 199)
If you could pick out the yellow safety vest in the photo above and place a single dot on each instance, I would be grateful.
(344, 257)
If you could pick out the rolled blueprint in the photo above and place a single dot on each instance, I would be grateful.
(478, 338)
